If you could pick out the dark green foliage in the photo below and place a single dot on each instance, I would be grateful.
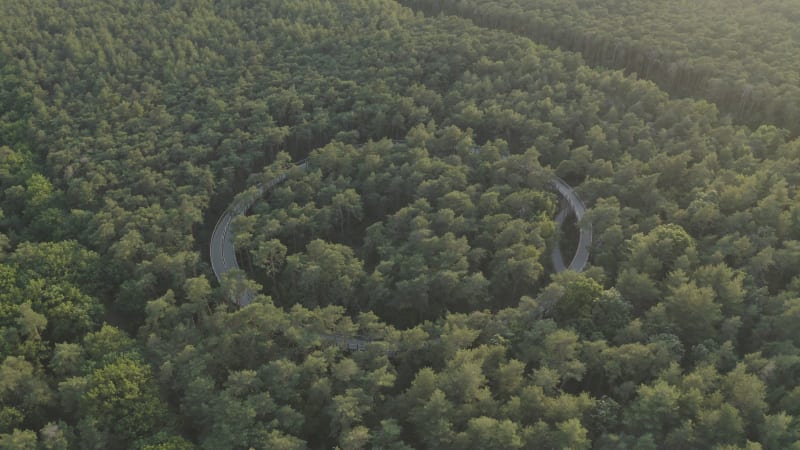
(126, 129)
(742, 55)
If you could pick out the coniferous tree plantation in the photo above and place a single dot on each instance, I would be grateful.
(399, 287)
(743, 55)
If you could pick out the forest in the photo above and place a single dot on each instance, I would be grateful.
(423, 224)
(742, 55)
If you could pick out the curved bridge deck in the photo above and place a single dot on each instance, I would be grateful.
(577, 207)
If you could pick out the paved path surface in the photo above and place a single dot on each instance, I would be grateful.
(223, 253)
(575, 204)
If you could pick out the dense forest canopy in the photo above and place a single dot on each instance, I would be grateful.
(406, 231)
(743, 55)
(126, 128)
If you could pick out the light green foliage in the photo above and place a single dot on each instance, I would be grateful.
(122, 399)
(325, 274)
(19, 439)
(655, 410)
(24, 393)
(665, 248)
(486, 432)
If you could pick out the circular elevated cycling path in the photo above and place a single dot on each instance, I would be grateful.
(576, 206)
(223, 252)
